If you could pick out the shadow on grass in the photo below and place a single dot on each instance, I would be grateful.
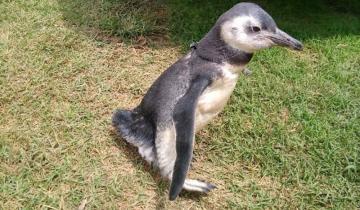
(130, 21)
(134, 21)
(162, 185)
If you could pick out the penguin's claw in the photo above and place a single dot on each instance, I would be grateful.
(209, 187)
(198, 186)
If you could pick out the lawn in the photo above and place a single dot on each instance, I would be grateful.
(289, 138)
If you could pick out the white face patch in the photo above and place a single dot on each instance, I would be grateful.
(235, 33)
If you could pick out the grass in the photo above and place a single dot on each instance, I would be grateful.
(288, 139)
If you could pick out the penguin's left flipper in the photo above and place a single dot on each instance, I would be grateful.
(184, 118)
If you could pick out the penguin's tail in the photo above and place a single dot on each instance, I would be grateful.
(133, 127)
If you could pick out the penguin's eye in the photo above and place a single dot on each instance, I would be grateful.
(255, 29)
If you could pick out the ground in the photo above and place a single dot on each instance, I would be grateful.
(288, 139)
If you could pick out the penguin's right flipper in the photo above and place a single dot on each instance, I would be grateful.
(184, 117)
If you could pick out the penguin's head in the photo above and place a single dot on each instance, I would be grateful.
(249, 28)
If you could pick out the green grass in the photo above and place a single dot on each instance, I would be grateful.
(288, 139)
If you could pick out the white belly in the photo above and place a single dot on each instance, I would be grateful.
(214, 97)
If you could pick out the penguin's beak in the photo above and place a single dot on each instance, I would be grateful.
(283, 39)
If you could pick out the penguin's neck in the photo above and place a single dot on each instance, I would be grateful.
(214, 49)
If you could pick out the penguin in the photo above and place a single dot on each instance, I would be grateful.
(192, 91)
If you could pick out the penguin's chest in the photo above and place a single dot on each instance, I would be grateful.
(214, 97)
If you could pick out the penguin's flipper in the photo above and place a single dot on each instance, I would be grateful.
(184, 117)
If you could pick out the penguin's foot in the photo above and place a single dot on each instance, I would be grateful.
(247, 72)
(198, 186)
